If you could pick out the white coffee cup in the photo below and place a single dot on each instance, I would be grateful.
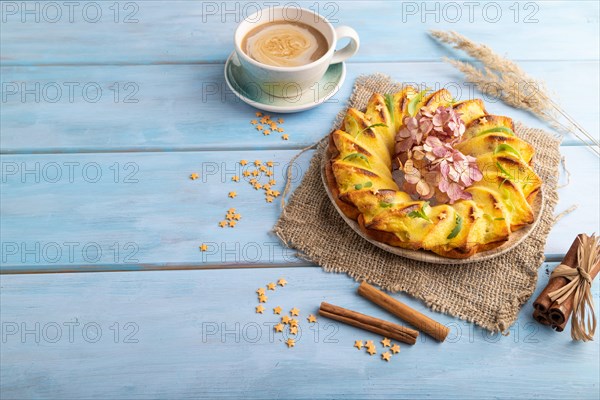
(288, 81)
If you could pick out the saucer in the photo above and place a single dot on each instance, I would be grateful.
(238, 82)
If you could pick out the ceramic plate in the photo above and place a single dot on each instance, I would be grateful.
(427, 256)
(240, 85)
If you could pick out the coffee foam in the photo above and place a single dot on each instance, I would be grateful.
(283, 45)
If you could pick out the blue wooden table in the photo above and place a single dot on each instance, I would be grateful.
(108, 107)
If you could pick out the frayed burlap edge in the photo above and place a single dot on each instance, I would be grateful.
(489, 293)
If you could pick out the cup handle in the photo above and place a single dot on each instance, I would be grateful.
(350, 49)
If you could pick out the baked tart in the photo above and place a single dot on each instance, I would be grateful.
(419, 171)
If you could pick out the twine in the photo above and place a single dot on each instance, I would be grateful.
(583, 325)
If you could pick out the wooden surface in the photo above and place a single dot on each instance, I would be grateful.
(124, 158)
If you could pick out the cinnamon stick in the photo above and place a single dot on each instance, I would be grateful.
(366, 322)
(404, 312)
(543, 302)
(558, 314)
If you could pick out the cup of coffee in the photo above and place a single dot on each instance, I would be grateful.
(285, 51)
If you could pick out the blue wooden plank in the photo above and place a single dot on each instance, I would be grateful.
(141, 211)
(194, 334)
(144, 32)
(188, 108)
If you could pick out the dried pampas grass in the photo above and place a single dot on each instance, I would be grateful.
(502, 78)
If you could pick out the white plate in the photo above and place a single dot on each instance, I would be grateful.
(241, 85)
(514, 240)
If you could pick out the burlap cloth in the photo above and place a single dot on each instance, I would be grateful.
(488, 293)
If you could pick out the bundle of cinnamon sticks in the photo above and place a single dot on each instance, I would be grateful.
(557, 312)
(385, 328)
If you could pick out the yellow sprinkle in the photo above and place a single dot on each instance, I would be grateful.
(255, 172)
(294, 330)
(272, 182)
(386, 356)
(269, 173)
(266, 132)
(263, 168)
(237, 217)
(269, 163)
(203, 247)
(253, 122)
(280, 120)
(294, 312)
(269, 199)
(257, 163)
(259, 127)
(285, 319)
(235, 178)
(290, 343)
(285, 137)
(262, 298)
(277, 310)
(259, 309)
(194, 176)
(280, 129)
(270, 286)
(358, 344)
(260, 291)
(243, 162)
(223, 224)
(278, 328)
(282, 282)
(258, 114)
(311, 318)
(232, 194)
(246, 173)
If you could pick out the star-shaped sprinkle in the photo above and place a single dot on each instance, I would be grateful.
(385, 342)
(276, 193)
(395, 349)
(263, 168)
(282, 282)
(254, 122)
(232, 224)
(232, 194)
(369, 343)
(246, 173)
(386, 356)
(266, 132)
(269, 173)
(290, 342)
(194, 176)
(262, 298)
(371, 350)
(358, 344)
(293, 322)
(285, 137)
(257, 163)
(280, 120)
(270, 286)
(255, 172)
(272, 182)
(259, 309)
(260, 291)
(231, 210)
(235, 178)
(285, 319)
(243, 162)
(278, 328)
(280, 129)
(259, 127)
(311, 318)
(223, 224)
(294, 329)
(258, 114)
(277, 310)
(237, 217)
(203, 247)
(294, 312)
(269, 199)
(270, 164)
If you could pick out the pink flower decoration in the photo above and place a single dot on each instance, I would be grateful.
(432, 165)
